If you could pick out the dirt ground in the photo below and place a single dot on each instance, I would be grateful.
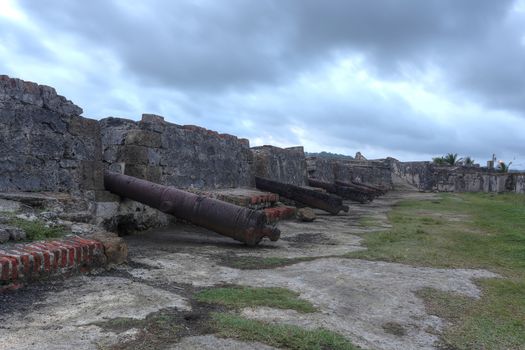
(371, 303)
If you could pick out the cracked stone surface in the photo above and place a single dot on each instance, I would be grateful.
(64, 320)
(354, 297)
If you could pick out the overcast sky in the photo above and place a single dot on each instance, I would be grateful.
(409, 79)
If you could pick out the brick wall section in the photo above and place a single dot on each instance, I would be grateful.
(21, 263)
(279, 213)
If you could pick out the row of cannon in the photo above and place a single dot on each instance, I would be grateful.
(242, 224)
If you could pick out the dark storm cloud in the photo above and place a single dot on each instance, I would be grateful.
(211, 45)
(238, 66)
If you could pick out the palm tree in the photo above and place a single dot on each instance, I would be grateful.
(452, 159)
(468, 161)
(438, 160)
(503, 167)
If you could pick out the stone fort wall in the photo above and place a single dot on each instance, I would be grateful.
(184, 156)
(281, 164)
(46, 145)
(374, 172)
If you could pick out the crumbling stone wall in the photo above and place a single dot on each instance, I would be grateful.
(519, 183)
(427, 176)
(417, 174)
(321, 169)
(286, 165)
(45, 145)
(374, 172)
(184, 156)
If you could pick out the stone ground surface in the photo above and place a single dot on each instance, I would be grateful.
(356, 298)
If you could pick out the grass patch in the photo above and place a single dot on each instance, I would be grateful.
(496, 321)
(278, 335)
(471, 230)
(154, 331)
(257, 263)
(37, 229)
(240, 297)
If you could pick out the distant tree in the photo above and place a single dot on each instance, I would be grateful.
(452, 159)
(503, 167)
(439, 161)
(468, 161)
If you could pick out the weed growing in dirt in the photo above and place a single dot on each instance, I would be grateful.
(240, 297)
(153, 332)
(471, 230)
(37, 229)
(278, 335)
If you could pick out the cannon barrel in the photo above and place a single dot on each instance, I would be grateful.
(363, 187)
(377, 188)
(315, 199)
(242, 224)
(352, 193)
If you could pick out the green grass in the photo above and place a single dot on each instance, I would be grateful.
(154, 331)
(37, 230)
(464, 231)
(240, 297)
(278, 335)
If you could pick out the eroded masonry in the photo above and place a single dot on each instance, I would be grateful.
(54, 159)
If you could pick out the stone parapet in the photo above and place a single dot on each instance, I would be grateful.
(286, 165)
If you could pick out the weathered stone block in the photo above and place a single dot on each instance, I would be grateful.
(4, 235)
(106, 196)
(143, 138)
(92, 175)
(286, 165)
(150, 173)
(152, 118)
(306, 214)
(134, 155)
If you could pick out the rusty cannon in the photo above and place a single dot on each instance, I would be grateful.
(372, 190)
(315, 199)
(242, 224)
(380, 189)
(355, 194)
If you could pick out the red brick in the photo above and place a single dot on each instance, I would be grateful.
(13, 275)
(38, 259)
(27, 261)
(47, 261)
(64, 248)
(26, 264)
(71, 251)
(6, 268)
